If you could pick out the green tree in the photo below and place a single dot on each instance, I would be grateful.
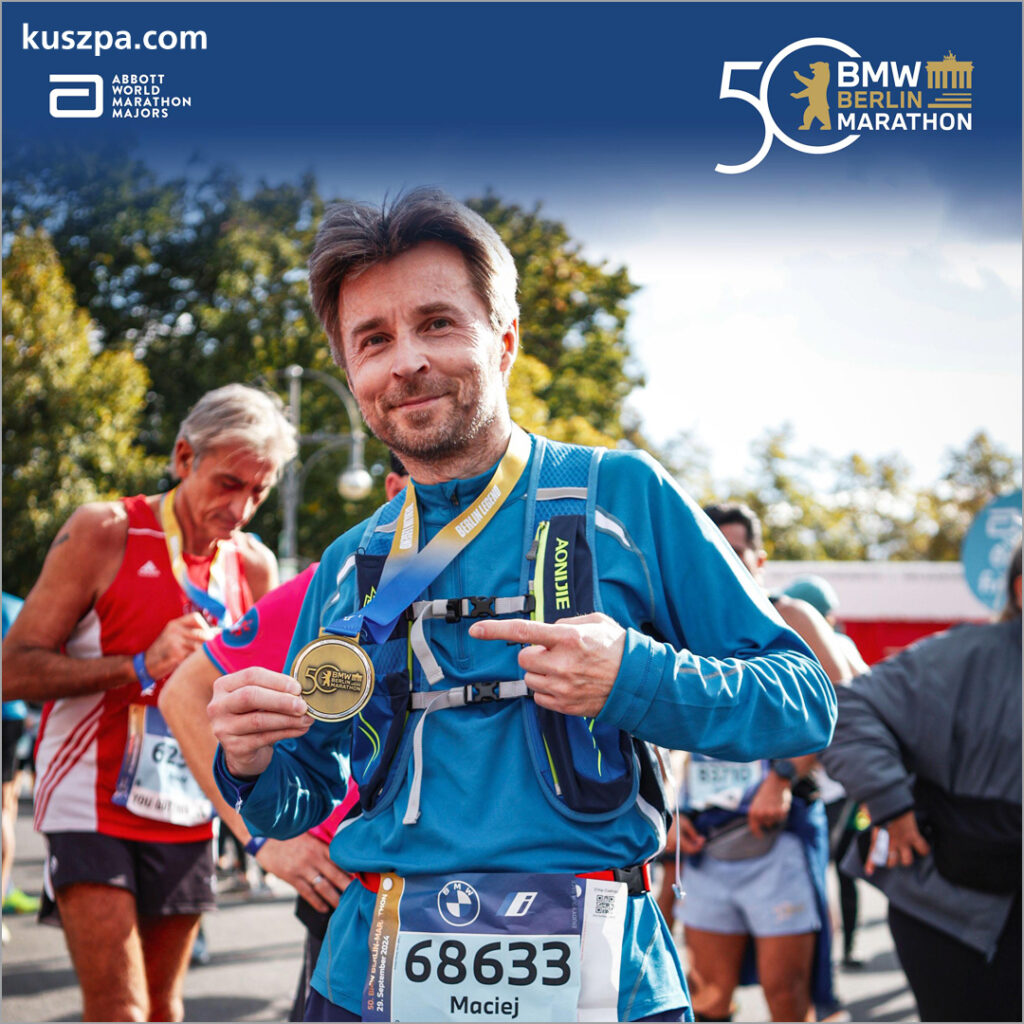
(206, 284)
(573, 316)
(780, 491)
(972, 477)
(70, 417)
(870, 512)
(856, 508)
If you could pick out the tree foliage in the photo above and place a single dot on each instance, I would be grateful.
(70, 418)
(202, 281)
(573, 321)
(205, 284)
(813, 507)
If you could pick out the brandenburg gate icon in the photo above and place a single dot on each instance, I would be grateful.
(949, 73)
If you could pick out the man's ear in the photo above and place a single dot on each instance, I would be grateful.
(510, 346)
(184, 458)
(762, 557)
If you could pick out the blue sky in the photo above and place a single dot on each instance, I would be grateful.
(869, 296)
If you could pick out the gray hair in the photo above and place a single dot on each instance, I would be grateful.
(242, 416)
(354, 236)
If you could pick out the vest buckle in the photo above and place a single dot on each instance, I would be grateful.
(482, 693)
(483, 608)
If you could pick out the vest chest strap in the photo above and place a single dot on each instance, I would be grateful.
(454, 610)
(460, 696)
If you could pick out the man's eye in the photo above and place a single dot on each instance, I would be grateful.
(439, 323)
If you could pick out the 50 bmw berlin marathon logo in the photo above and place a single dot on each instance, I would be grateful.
(818, 95)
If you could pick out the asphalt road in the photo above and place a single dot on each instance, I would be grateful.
(256, 949)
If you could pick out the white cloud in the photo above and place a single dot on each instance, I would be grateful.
(873, 333)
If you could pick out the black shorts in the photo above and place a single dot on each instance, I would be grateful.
(166, 878)
(13, 728)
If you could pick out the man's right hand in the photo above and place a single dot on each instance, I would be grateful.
(304, 862)
(250, 711)
(178, 639)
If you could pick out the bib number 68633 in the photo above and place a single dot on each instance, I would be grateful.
(452, 962)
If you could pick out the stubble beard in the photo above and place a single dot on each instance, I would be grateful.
(435, 435)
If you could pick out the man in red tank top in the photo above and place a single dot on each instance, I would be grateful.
(128, 590)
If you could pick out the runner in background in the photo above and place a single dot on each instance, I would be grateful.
(756, 842)
(930, 741)
(262, 638)
(129, 588)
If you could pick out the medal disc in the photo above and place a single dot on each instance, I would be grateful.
(336, 677)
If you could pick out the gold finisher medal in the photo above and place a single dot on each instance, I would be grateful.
(336, 677)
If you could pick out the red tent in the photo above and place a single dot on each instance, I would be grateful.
(884, 606)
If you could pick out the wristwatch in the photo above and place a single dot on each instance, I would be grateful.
(785, 769)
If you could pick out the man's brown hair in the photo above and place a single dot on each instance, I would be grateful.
(354, 236)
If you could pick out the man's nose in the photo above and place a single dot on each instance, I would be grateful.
(409, 354)
(242, 508)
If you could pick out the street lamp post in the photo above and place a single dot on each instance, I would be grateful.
(355, 481)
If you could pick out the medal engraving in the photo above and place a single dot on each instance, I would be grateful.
(336, 677)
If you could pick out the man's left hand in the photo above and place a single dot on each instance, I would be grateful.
(570, 665)
(304, 862)
(770, 805)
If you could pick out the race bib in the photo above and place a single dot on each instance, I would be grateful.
(711, 783)
(495, 947)
(155, 782)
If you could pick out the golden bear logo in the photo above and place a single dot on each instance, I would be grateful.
(816, 93)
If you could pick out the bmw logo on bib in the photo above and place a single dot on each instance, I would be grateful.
(458, 904)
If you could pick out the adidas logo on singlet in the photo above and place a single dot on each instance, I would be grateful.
(149, 570)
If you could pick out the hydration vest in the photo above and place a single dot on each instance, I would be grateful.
(588, 770)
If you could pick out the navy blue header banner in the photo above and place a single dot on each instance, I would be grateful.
(708, 89)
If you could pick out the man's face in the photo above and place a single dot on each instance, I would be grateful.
(422, 359)
(736, 535)
(223, 489)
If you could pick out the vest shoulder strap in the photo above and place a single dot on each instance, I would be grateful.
(376, 538)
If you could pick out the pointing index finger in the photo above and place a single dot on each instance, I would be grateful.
(517, 631)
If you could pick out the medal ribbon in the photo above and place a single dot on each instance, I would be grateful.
(208, 600)
(408, 571)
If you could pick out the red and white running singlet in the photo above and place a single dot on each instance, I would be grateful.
(82, 740)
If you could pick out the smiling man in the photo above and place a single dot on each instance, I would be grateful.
(128, 590)
(491, 656)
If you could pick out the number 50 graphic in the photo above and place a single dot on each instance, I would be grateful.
(760, 103)
(56, 95)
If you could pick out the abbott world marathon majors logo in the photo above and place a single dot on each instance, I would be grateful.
(818, 95)
(115, 95)
(131, 97)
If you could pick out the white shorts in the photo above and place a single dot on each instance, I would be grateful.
(762, 896)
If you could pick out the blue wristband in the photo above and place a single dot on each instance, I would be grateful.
(147, 681)
(255, 844)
